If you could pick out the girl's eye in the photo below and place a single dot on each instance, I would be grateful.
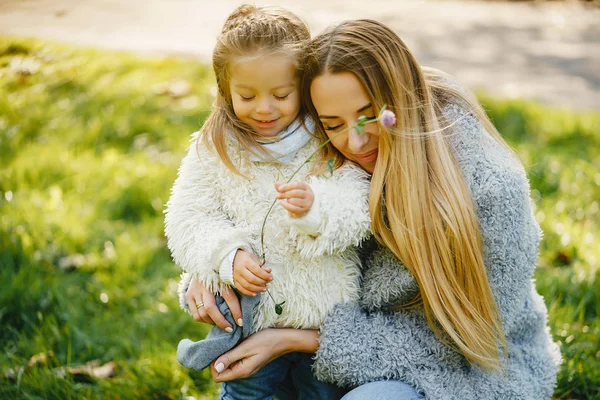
(281, 98)
(332, 128)
(246, 98)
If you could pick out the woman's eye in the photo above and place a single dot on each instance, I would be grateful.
(370, 118)
(281, 98)
(246, 98)
(332, 128)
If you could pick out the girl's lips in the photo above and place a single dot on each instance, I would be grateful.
(367, 157)
(267, 124)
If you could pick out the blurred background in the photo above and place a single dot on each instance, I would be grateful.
(97, 102)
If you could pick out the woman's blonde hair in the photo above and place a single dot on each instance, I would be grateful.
(249, 31)
(420, 205)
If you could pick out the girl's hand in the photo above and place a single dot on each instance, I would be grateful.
(259, 349)
(248, 275)
(203, 306)
(296, 197)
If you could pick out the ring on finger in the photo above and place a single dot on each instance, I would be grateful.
(199, 305)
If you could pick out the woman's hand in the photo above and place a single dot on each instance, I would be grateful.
(261, 348)
(204, 308)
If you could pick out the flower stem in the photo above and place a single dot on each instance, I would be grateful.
(359, 128)
(262, 229)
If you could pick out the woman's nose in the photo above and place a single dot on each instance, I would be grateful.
(356, 142)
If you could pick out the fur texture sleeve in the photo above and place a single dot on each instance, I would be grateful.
(356, 347)
(199, 233)
(500, 191)
(510, 237)
(344, 219)
(386, 282)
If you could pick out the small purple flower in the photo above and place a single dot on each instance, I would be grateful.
(387, 118)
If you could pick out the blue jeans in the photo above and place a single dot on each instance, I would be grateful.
(290, 369)
(383, 390)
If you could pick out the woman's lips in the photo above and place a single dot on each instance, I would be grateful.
(367, 157)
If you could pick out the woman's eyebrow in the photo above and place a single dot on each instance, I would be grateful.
(364, 108)
(335, 117)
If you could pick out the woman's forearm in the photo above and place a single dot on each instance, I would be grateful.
(261, 348)
(302, 340)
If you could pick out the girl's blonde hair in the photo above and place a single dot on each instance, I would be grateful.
(420, 205)
(249, 31)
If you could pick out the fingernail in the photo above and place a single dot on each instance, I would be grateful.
(220, 367)
(240, 322)
(228, 330)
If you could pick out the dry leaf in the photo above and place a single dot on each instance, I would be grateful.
(40, 359)
(92, 370)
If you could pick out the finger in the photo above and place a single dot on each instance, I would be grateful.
(293, 194)
(204, 317)
(282, 188)
(211, 309)
(251, 278)
(264, 274)
(298, 202)
(191, 302)
(227, 360)
(245, 291)
(237, 370)
(292, 208)
(234, 305)
(293, 185)
(249, 289)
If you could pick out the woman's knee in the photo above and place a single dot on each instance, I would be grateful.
(383, 390)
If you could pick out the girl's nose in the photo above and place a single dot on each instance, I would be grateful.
(356, 142)
(264, 106)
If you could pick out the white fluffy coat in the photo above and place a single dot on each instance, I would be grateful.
(213, 211)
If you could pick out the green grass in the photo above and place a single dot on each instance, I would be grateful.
(90, 142)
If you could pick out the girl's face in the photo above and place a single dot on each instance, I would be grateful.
(340, 99)
(264, 92)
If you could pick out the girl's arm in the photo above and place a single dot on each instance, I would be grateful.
(339, 217)
(199, 233)
(261, 348)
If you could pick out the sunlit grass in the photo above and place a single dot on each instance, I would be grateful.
(90, 142)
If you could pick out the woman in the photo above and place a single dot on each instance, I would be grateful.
(448, 308)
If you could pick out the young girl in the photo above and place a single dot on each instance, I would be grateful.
(257, 135)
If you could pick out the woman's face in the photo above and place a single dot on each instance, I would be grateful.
(340, 99)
